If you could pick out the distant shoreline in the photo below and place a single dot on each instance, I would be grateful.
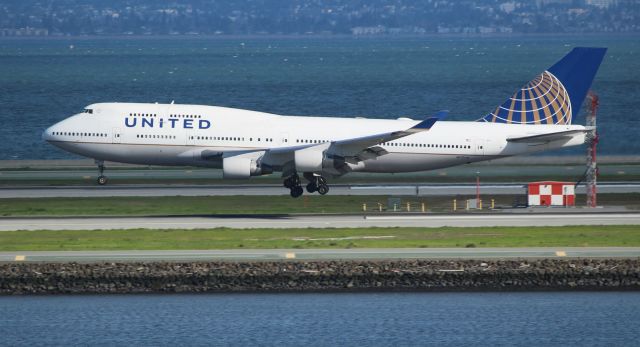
(317, 36)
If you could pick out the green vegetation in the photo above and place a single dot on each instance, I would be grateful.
(181, 205)
(216, 205)
(225, 238)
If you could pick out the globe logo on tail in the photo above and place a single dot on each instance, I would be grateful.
(541, 101)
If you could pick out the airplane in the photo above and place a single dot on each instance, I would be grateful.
(243, 143)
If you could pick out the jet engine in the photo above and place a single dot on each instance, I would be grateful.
(240, 167)
(317, 161)
(309, 159)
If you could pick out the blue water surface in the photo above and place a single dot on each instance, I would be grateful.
(382, 319)
(43, 81)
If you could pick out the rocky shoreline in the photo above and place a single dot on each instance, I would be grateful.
(318, 276)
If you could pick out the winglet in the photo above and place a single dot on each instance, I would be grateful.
(442, 114)
(425, 124)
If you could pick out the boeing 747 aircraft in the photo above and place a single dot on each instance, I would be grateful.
(244, 143)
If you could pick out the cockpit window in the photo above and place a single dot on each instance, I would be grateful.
(88, 110)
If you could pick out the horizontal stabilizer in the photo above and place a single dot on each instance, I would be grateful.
(542, 138)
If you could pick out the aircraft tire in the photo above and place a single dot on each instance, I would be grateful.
(296, 192)
(311, 188)
(102, 180)
(323, 189)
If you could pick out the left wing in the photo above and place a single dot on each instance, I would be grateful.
(350, 151)
(363, 148)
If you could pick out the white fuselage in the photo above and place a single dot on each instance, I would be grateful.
(194, 135)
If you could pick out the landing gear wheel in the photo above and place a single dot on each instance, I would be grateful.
(102, 180)
(291, 181)
(311, 188)
(296, 191)
(323, 189)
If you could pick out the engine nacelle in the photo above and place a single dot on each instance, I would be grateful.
(315, 160)
(309, 160)
(239, 167)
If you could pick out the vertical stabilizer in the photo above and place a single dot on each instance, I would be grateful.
(554, 96)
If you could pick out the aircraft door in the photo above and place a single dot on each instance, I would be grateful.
(189, 138)
(479, 146)
(116, 136)
(284, 139)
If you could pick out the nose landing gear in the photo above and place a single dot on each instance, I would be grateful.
(102, 179)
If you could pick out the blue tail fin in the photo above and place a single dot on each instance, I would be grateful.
(555, 96)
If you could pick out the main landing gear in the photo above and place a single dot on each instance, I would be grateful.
(293, 183)
(102, 179)
(316, 184)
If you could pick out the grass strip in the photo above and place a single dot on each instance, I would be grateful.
(225, 238)
(181, 205)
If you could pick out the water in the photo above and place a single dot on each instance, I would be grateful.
(399, 319)
(43, 81)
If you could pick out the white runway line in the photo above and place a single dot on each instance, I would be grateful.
(356, 221)
(507, 217)
(309, 254)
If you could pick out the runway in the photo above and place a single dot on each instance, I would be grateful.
(277, 189)
(321, 221)
(324, 254)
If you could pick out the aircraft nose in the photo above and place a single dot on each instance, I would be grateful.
(53, 132)
(47, 134)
